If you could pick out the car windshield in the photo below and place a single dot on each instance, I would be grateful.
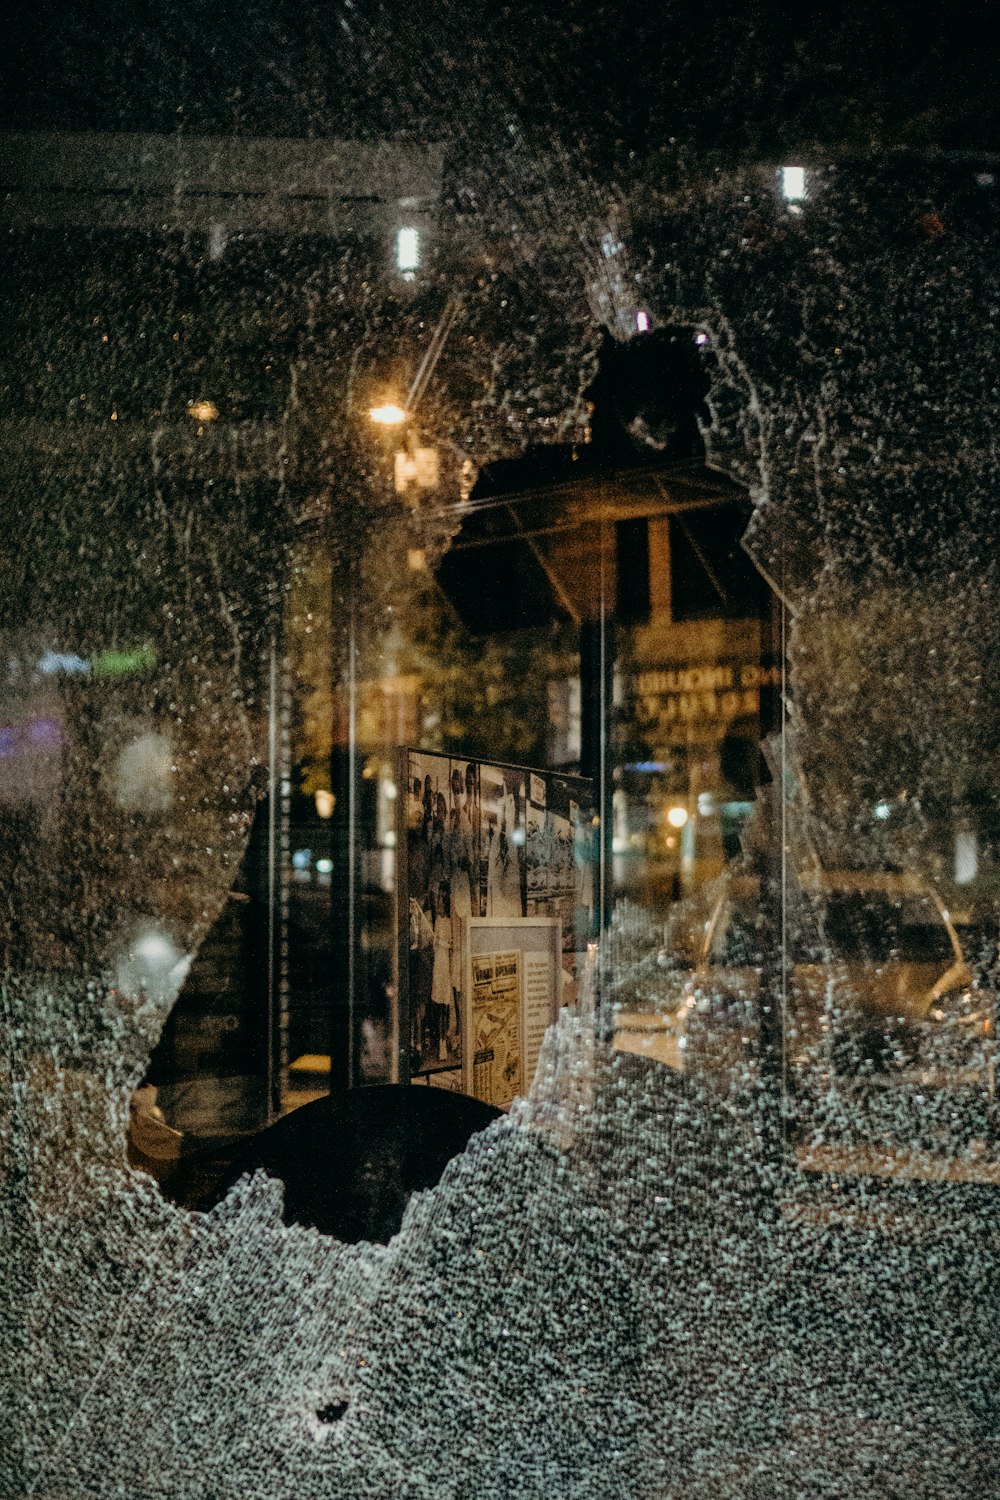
(872, 927)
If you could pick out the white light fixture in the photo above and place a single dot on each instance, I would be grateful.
(408, 249)
(966, 856)
(793, 183)
(677, 816)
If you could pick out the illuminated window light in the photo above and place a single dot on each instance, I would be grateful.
(408, 249)
(793, 183)
(642, 322)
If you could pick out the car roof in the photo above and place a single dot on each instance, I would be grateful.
(893, 883)
(741, 886)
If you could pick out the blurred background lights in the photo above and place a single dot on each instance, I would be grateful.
(642, 321)
(325, 803)
(677, 816)
(152, 967)
(408, 249)
(202, 411)
(61, 661)
(793, 183)
(156, 950)
(143, 775)
(882, 811)
(417, 468)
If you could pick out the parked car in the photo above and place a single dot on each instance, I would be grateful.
(870, 978)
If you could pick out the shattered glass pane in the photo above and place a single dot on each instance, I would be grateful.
(608, 391)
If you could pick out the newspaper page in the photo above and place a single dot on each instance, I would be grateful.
(495, 1033)
(539, 980)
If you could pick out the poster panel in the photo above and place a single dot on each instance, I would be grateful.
(492, 1070)
(479, 839)
(511, 996)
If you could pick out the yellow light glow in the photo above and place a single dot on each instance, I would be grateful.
(388, 415)
(325, 803)
(203, 411)
(677, 816)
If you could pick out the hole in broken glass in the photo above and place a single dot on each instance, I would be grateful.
(348, 1162)
(331, 1411)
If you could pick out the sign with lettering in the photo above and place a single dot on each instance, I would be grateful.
(712, 693)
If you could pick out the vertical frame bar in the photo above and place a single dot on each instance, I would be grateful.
(402, 1019)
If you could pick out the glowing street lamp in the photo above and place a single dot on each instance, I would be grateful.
(388, 414)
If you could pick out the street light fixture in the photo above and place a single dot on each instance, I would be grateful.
(388, 414)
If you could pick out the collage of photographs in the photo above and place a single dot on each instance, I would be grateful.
(482, 840)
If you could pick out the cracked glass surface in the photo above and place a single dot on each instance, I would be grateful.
(768, 1268)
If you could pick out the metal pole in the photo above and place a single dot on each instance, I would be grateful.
(343, 879)
(273, 883)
